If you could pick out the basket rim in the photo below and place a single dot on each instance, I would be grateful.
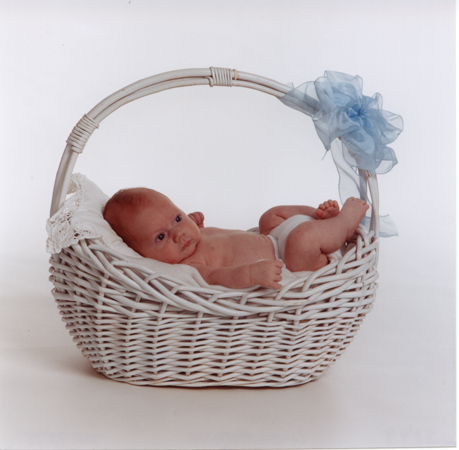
(92, 256)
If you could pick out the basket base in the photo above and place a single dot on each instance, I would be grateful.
(230, 353)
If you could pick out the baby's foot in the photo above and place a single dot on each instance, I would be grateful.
(327, 209)
(354, 210)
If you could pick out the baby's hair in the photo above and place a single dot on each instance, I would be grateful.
(122, 206)
(130, 198)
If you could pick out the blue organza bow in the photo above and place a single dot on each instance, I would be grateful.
(340, 110)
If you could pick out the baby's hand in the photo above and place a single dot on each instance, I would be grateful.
(266, 273)
(198, 218)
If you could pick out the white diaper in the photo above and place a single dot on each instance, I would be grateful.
(280, 234)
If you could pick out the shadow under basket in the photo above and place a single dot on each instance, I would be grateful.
(146, 328)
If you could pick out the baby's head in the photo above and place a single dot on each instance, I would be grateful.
(152, 225)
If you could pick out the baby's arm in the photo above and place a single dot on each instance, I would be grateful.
(261, 273)
(198, 218)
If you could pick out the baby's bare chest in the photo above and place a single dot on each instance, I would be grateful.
(225, 248)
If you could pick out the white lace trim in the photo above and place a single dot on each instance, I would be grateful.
(64, 228)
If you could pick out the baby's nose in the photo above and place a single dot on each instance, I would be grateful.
(179, 235)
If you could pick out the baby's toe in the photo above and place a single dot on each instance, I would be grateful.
(320, 213)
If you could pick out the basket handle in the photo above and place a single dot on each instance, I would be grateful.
(169, 80)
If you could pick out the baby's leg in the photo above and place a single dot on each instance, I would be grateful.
(309, 243)
(275, 216)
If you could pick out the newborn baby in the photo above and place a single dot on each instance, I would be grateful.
(301, 236)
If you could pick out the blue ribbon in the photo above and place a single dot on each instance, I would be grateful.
(340, 110)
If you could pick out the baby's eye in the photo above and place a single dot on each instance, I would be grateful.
(161, 237)
(178, 219)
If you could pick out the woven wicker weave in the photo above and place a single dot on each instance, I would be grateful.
(145, 328)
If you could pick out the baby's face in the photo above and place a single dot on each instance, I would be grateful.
(164, 232)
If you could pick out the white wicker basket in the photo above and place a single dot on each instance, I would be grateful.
(143, 328)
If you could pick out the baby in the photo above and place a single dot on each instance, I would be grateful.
(301, 236)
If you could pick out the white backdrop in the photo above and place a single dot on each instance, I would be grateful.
(231, 153)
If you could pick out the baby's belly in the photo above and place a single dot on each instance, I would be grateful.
(247, 247)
